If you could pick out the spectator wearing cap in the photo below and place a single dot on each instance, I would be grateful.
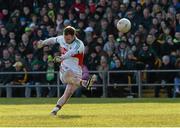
(147, 56)
(66, 22)
(7, 78)
(20, 78)
(88, 34)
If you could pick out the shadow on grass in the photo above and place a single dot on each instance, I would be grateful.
(68, 116)
(19, 101)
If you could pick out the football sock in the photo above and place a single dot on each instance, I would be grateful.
(58, 106)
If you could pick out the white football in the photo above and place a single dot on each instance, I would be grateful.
(123, 25)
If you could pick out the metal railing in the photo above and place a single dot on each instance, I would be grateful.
(105, 80)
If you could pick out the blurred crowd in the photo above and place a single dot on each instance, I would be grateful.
(152, 43)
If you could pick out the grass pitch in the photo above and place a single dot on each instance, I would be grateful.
(90, 112)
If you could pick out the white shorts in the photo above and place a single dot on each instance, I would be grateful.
(64, 69)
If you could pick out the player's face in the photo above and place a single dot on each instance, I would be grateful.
(68, 38)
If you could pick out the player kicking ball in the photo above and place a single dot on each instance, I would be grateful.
(71, 60)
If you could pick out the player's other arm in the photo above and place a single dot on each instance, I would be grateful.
(68, 54)
(48, 41)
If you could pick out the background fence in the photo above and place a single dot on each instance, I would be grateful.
(127, 78)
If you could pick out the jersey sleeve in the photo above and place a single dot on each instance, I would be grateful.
(52, 40)
(49, 41)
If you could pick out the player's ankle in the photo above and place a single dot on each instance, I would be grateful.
(58, 106)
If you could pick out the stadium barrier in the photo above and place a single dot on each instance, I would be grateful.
(136, 78)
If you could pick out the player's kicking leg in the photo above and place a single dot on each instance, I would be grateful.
(70, 89)
(73, 83)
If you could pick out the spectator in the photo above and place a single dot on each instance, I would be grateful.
(3, 39)
(110, 44)
(116, 78)
(165, 77)
(78, 6)
(51, 77)
(102, 68)
(93, 61)
(35, 80)
(6, 55)
(147, 56)
(7, 78)
(20, 78)
(177, 78)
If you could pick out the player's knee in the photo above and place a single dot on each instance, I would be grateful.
(69, 80)
(69, 74)
(69, 77)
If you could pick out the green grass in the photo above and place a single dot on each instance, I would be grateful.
(90, 112)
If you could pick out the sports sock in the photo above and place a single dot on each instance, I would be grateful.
(83, 83)
(58, 106)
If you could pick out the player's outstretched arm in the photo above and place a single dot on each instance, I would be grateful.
(48, 41)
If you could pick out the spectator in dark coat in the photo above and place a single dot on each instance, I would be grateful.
(165, 77)
(7, 78)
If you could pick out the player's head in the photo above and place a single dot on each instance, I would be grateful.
(69, 34)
